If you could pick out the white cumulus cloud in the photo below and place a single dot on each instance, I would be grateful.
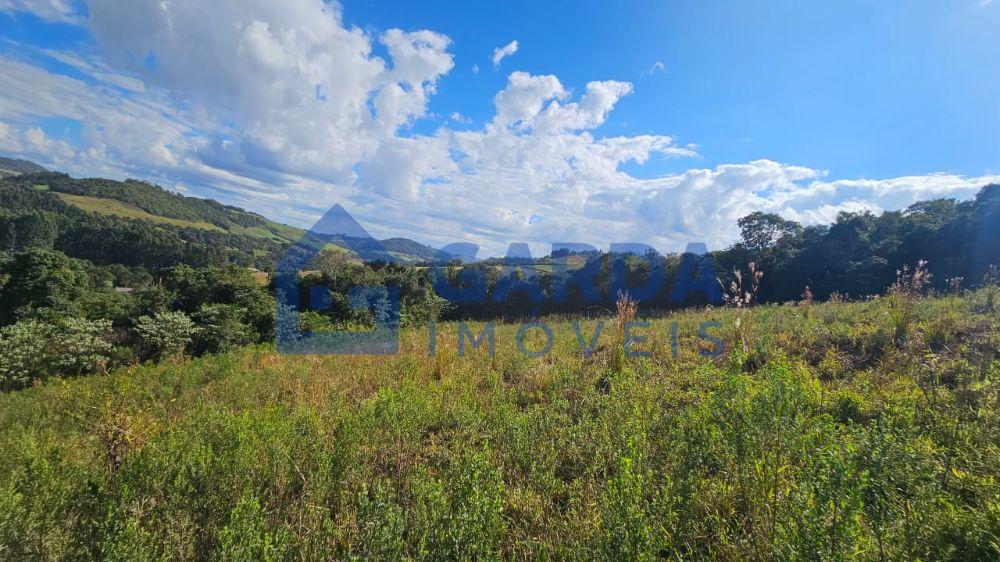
(500, 53)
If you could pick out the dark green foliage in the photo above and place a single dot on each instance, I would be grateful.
(222, 327)
(30, 218)
(336, 274)
(857, 256)
(150, 198)
(40, 284)
(860, 253)
(53, 299)
(35, 229)
(190, 289)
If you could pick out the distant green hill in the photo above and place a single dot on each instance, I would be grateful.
(397, 249)
(131, 223)
(409, 248)
(116, 208)
(13, 167)
(140, 224)
(136, 199)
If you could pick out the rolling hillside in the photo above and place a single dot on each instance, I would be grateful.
(144, 201)
(128, 223)
(13, 167)
(115, 208)
(202, 229)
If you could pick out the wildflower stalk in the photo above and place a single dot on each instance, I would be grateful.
(741, 294)
(903, 296)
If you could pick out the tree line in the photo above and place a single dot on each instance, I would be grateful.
(81, 292)
(857, 256)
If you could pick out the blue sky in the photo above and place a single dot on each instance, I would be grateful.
(653, 121)
(861, 88)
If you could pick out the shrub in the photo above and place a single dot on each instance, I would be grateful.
(627, 532)
(247, 536)
(22, 353)
(381, 523)
(42, 284)
(32, 350)
(13, 523)
(221, 327)
(81, 346)
(164, 335)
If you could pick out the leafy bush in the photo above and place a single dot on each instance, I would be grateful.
(221, 327)
(165, 335)
(247, 536)
(42, 284)
(31, 350)
(23, 353)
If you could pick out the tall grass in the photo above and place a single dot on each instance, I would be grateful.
(837, 447)
(991, 286)
(626, 309)
(908, 287)
(741, 294)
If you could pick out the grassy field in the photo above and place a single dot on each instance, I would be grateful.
(843, 431)
(106, 206)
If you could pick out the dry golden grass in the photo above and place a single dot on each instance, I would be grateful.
(112, 207)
